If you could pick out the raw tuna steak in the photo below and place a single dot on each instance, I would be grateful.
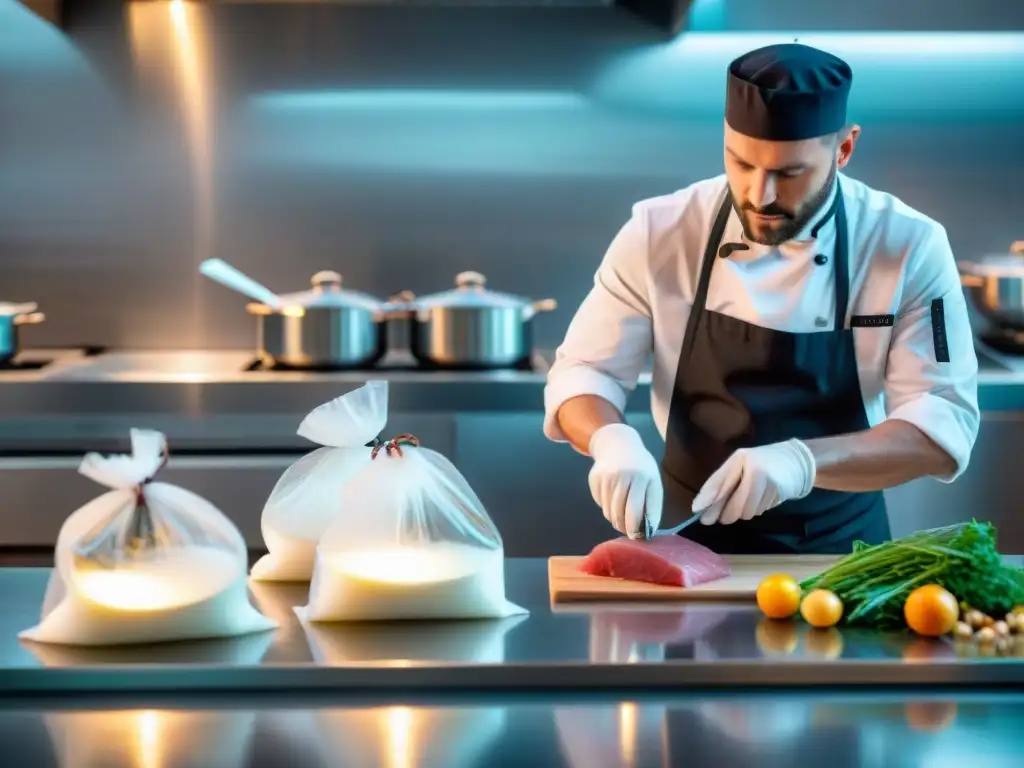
(670, 560)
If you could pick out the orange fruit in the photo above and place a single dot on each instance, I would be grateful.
(778, 596)
(821, 608)
(931, 611)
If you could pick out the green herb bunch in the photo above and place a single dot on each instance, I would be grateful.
(874, 581)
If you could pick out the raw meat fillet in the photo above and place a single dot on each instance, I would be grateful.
(670, 560)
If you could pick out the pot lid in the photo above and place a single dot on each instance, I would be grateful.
(327, 292)
(469, 292)
(10, 309)
(997, 264)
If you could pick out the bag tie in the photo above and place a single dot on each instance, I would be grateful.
(106, 547)
(393, 445)
(165, 455)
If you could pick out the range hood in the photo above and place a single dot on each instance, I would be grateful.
(665, 15)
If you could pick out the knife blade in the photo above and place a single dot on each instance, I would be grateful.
(650, 533)
(673, 531)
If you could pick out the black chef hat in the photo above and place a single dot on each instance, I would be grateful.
(787, 92)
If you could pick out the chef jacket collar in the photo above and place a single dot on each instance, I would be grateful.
(821, 226)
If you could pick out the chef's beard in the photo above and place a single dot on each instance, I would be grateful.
(792, 223)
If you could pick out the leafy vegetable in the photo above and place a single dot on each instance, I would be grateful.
(874, 581)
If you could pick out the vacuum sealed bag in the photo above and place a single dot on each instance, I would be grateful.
(306, 497)
(146, 562)
(411, 540)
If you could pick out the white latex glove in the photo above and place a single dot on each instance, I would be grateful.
(753, 480)
(625, 480)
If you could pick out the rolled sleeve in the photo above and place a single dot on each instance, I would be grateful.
(936, 392)
(610, 336)
(573, 381)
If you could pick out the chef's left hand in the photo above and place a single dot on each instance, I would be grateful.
(753, 480)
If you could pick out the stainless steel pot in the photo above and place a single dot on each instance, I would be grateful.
(12, 317)
(325, 327)
(471, 327)
(995, 285)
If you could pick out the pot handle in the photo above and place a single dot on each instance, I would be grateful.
(396, 307)
(229, 277)
(544, 305)
(33, 318)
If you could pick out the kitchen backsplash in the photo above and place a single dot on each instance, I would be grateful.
(401, 146)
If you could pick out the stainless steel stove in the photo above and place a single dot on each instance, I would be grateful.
(199, 366)
(394, 362)
(40, 359)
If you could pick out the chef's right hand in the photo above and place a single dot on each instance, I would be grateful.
(625, 480)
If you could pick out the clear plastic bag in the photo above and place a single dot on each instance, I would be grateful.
(146, 562)
(411, 541)
(306, 498)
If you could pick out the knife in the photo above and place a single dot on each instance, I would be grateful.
(650, 533)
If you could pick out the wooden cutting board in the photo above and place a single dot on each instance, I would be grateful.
(567, 584)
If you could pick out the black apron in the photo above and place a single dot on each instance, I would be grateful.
(739, 385)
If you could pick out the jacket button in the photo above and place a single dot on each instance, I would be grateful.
(821, 259)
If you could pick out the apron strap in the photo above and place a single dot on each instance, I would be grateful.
(841, 261)
(700, 296)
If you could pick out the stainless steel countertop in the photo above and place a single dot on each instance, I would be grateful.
(187, 366)
(202, 367)
(207, 399)
(860, 730)
(582, 647)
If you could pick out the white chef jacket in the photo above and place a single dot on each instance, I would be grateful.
(899, 261)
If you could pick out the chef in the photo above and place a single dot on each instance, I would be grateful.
(809, 335)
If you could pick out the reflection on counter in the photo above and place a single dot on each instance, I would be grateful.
(392, 736)
(770, 732)
(447, 642)
(626, 735)
(766, 731)
(144, 738)
(642, 635)
(246, 650)
(704, 632)
(389, 643)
